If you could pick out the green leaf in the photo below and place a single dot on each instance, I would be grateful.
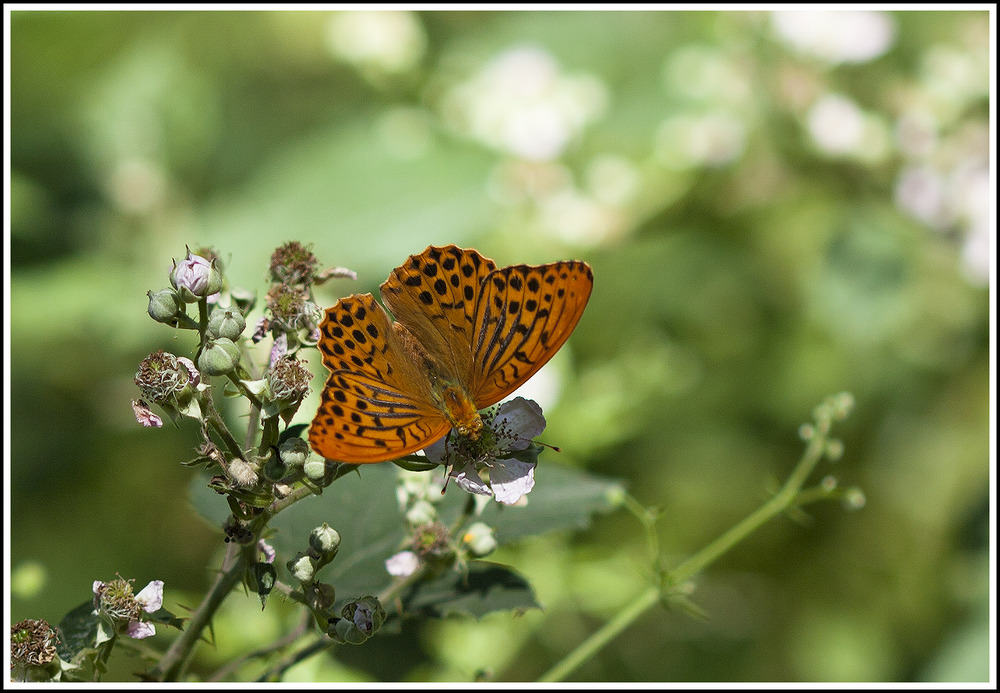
(363, 508)
(77, 631)
(167, 618)
(487, 587)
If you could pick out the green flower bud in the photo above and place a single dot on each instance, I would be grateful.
(854, 498)
(294, 452)
(226, 322)
(219, 357)
(302, 568)
(325, 541)
(164, 306)
(315, 469)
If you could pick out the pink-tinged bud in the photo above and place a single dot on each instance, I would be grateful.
(195, 278)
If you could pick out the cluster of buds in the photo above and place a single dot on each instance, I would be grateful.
(359, 619)
(431, 546)
(292, 316)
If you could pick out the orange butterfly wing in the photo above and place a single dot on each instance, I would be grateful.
(434, 295)
(375, 404)
(523, 315)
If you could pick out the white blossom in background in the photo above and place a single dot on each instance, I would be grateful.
(836, 36)
(612, 179)
(920, 192)
(387, 41)
(840, 128)
(702, 74)
(522, 103)
(970, 192)
(688, 141)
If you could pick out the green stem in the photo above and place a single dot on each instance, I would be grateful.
(602, 637)
(171, 667)
(214, 419)
(788, 495)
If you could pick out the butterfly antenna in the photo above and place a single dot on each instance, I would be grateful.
(553, 447)
(447, 477)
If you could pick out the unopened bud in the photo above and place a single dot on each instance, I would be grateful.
(294, 452)
(854, 498)
(219, 357)
(315, 469)
(325, 541)
(164, 306)
(302, 568)
(226, 322)
(195, 278)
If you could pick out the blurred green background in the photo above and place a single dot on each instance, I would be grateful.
(777, 207)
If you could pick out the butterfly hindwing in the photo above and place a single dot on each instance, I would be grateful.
(361, 419)
(375, 404)
(523, 315)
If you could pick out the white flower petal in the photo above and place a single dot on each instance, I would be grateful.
(97, 585)
(511, 479)
(403, 564)
(151, 596)
(468, 480)
(523, 418)
(436, 451)
(140, 630)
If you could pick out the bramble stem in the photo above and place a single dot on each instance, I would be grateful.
(789, 495)
(602, 637)
(171, 667)
(214, 419)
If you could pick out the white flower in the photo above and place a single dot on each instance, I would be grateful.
(509, 430)
(403, 564)
(116, 600)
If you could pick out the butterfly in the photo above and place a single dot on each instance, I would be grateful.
(466, 334)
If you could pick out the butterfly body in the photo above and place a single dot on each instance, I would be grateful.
(466, 335)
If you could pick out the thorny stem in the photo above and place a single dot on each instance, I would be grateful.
(790, 495)
(219, 426)
(324, 641)
(301, 629)
(171, 667)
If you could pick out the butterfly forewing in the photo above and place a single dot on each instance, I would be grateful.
(434, 295)
(523, 315)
